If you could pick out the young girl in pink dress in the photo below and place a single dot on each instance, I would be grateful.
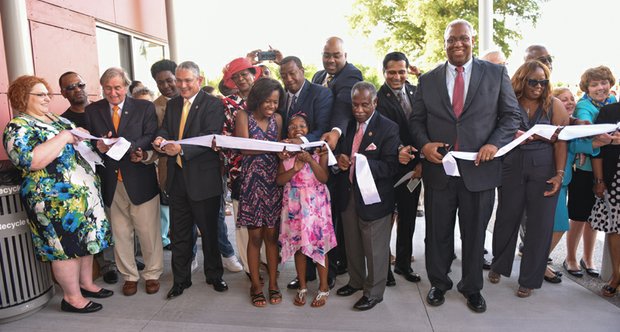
(306, 228)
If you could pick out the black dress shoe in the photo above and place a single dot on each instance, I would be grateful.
(554, 280)
(476, 302)
(294, 284)
(218, 284)
(102, 293)
(90, 307)
(140, 265)
(391, 282)
(110, 277)
(592, 272)
(177, 290)
(366, 304)
(435, 297)
(486, 264)
(409, 275)
(347, 290)
(331, 283)
(574, 273)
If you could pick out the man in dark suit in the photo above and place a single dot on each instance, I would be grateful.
(194, 178)
(394, 101)
(367, 227)
(313, 100)
(129, 186)
(468, 105)
(339, 76)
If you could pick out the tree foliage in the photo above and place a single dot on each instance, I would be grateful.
(416, 27)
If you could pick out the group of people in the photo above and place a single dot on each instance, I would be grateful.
(335, 217)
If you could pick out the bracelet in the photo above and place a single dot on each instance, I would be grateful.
(560, 171)
(597, 181)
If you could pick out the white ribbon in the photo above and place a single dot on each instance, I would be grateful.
(118, 149)
(566, 133)
(365, 180)
(231, 142)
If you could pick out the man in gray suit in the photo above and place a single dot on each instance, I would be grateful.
(466, 105)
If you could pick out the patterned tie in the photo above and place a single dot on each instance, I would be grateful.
(402, 99)
(116, 120)
(290, 108)
(184, 114)
(328, 80)
(357, 140)
(458, 94)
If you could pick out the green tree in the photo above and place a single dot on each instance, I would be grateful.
(371, 75)
(416, 27)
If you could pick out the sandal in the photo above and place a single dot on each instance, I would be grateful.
(300, 299)
(258, 299)
(609, 290)
(494, 277)
(524, 292)
(320, 299)
(275, 296)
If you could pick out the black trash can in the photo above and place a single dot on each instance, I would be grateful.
(25, 283)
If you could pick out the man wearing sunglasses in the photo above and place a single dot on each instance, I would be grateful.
(73, 88)
(540, 53)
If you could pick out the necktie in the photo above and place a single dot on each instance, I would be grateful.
(402, 99)
(116, 120)
(328, 80)
(290, 108)
(184, 114)
(357, 140)
(458, 94)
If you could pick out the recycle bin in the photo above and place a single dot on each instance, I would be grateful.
(25, 282)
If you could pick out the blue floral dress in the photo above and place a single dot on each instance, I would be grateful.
(63, 200)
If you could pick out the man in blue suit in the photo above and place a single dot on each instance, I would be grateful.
(367, 226)
(312, 100)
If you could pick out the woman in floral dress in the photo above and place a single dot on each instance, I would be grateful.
(60, 191)
(260, 201)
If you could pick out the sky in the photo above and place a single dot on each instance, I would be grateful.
(214, 32)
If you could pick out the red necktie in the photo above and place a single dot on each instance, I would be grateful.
(458, 94)
(357, 140)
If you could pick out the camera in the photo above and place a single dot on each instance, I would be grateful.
(266, 55)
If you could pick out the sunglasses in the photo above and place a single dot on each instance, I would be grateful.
(545, 59)
(74, 86)
(533, 83)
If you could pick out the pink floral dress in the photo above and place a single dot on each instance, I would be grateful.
(306, 216)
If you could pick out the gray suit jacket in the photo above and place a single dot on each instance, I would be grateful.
(490, 116)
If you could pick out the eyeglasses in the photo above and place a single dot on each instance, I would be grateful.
(42, 95)
(74, 86)
(533, 83)
(545, 59)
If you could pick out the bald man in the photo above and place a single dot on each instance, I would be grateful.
(540, 53)
(494, 56)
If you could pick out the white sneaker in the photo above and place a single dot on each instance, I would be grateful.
(194, 264)
(232, 264)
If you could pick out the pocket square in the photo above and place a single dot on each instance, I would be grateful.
(371, 147)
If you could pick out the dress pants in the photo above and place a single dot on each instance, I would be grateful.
(368, 250)
(407, 203)
(524, 177)
(144, 220)
(474, 212)
(184, 214)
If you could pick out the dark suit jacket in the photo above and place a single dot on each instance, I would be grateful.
(201, 165)
(490, 116)
(315, 101)
(138, 125)
(388, 106)
(341, 86)
(383, 163)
